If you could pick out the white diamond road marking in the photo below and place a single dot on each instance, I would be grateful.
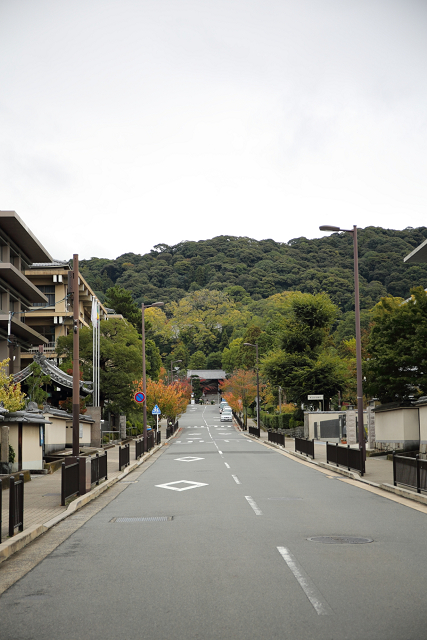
(191, 485)
(188, 459)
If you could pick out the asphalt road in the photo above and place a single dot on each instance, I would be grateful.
(229, 557)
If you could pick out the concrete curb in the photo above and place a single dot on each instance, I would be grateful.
(12, 545)
(404, 493)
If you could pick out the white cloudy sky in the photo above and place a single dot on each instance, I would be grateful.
(128, 123)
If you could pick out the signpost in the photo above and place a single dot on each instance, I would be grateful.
(156, 412)
(318, 396)
(139, 397)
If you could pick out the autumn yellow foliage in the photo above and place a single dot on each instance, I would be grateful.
(171, 399)
(11, 395)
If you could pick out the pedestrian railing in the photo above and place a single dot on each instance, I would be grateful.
(254, 431)
(124, 456)
(139, 448)
(276, 437)
(16, 504)
(98, 468)
(302, 445)
(410, 471)
(345, 457)
(70, 484)
(150, 440)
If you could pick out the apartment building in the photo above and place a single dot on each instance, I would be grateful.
(19, 248)
(54, 318)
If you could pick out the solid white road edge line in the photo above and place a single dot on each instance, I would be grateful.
(254, 506)
(322, 609)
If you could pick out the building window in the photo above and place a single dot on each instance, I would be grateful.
(47, 332)
(49, 292)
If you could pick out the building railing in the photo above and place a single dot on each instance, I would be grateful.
(345, 457)
(70, 480)
(305, 447)
(98, 468)
(254, 431)
(410, 471)
(124, 456)
(50, 347)
(276, 437)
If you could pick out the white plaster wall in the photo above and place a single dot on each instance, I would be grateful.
(32, 452)
(397, 427)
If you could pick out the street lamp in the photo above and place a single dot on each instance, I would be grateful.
(249, 344)
(144, 380)
(353, 231)
(173, 362)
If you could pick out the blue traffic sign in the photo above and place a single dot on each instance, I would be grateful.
(139, 396)
(156, 411)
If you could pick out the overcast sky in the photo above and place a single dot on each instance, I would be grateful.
(129, 123)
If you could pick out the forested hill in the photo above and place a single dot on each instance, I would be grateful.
(245, 268)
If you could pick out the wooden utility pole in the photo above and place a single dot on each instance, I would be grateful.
(76, 367)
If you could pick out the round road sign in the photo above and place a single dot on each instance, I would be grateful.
(139, 396)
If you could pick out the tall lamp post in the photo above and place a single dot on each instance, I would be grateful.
(172, 363)
(361, 428)
(249, 344)
(144, 377)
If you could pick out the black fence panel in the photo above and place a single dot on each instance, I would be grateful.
(305, 446)
(411, 472)
(98, 468)
(124, 456)
(69, 480)
(168, 432)
(254, 431)
(159, 436)
(150, 440)
(139, 448)
(276, 437)
(16, 504)
(345, 457)
(1, 507)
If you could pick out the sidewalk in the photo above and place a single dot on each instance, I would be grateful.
(42, 498)
(378, 470)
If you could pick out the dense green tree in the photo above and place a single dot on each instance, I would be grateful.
(397, 364)
(120, 361)
(303, 364)
(121, 301)
(243, 268)
(197, 361)
(36, 382)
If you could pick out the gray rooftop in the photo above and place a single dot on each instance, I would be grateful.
(419, 254)
(207, 374)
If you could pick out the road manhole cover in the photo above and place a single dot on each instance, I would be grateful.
(340, 540)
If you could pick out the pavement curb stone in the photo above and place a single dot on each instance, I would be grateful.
(20, 540)
(400, 491)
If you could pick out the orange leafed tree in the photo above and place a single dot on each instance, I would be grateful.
(172, 399)
(239, 390)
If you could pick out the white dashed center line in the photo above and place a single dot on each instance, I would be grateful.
(254, 506)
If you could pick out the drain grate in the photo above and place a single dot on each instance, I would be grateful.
(340, 540)
(143, 519)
